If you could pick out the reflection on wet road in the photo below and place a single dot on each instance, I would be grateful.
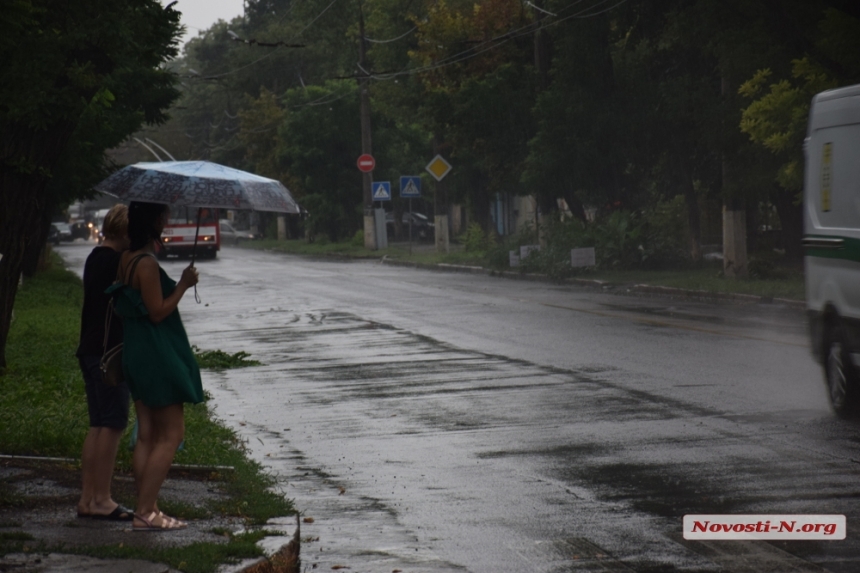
(434, 422)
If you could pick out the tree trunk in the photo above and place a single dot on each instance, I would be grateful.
(694, 220)
(481, 205)
(752, 227)
(27, 158)
(23, 204)
(791, 221)
(36, 243)
(576, 207)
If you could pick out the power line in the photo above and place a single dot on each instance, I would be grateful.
(269, 54)
(392, 39)
(500, 39)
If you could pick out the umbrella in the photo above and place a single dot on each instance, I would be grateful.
(198, 184)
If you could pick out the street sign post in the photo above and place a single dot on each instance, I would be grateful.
(366, 163)
(410, 186)
(381, 190)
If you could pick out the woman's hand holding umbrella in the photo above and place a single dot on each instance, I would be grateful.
(190, 276)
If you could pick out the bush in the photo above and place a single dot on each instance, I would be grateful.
(622, 240)
(559, 237)
(498, 256)
(765, 266)
(358, 238)
(617, 241)
(474, 239)
(665, 240)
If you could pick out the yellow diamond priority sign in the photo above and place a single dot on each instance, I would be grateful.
(438, 168)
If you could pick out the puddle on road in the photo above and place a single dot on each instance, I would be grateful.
(658, 489)
(666, 311)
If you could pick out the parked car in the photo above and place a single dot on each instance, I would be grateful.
(422, 227)
(60, 232)
(233, 236)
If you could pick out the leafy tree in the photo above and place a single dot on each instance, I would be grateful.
(75, 79)
(826, 47)
(318, 143)
(576, 152)
(477, 93)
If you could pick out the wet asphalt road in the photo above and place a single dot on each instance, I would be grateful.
(433, 422)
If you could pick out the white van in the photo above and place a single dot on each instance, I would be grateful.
(832, 241)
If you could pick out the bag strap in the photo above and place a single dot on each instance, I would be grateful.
(110, 310)
(129, 275)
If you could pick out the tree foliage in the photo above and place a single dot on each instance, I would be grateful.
(621, 106)
(75, 79)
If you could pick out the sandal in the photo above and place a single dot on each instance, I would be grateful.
(119, 513)
(167, 523)
(179, 523)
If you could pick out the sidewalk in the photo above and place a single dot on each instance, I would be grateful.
(38, 510)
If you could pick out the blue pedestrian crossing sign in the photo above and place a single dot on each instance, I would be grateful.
(410, 186)
(381, 190)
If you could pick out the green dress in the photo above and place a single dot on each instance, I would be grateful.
(157, 359)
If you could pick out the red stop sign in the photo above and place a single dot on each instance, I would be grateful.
(366, 163)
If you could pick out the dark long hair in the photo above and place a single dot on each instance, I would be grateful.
(142, 221)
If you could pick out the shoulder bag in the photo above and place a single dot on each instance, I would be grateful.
(111, 361)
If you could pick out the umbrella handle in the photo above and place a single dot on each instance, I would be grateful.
(196, 234)
(194, 251)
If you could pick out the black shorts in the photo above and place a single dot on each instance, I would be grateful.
(108, 405)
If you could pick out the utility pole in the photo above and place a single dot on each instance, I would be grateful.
(734, 216)
(370, 241)
(541, 61)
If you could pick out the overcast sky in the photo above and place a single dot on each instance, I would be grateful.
(201, 14)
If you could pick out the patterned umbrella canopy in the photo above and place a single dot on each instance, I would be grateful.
(198, 184)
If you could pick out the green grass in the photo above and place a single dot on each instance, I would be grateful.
(43, 412)
(195, 558)
(43, 409)
(220, 360)
(707, 277)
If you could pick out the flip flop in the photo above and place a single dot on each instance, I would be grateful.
(167, 523)
(119, 513)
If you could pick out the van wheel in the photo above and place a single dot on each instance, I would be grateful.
(839, 374)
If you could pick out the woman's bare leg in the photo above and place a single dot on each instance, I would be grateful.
(143, 444)
(165, 432)
(97, 465)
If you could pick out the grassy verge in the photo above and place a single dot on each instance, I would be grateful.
(707, 277)
(710, 279)
(43, 412)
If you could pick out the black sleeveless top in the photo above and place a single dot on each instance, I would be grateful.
(99, 273)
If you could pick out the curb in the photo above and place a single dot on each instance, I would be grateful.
(643, 288)
(284, 560)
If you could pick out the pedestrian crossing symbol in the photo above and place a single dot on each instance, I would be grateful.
(381, 190)
(410, 186)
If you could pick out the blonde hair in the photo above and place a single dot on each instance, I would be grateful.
(115, 226)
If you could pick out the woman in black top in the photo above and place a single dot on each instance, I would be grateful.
(108, 405)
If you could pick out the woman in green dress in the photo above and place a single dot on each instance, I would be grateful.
(158, 362)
